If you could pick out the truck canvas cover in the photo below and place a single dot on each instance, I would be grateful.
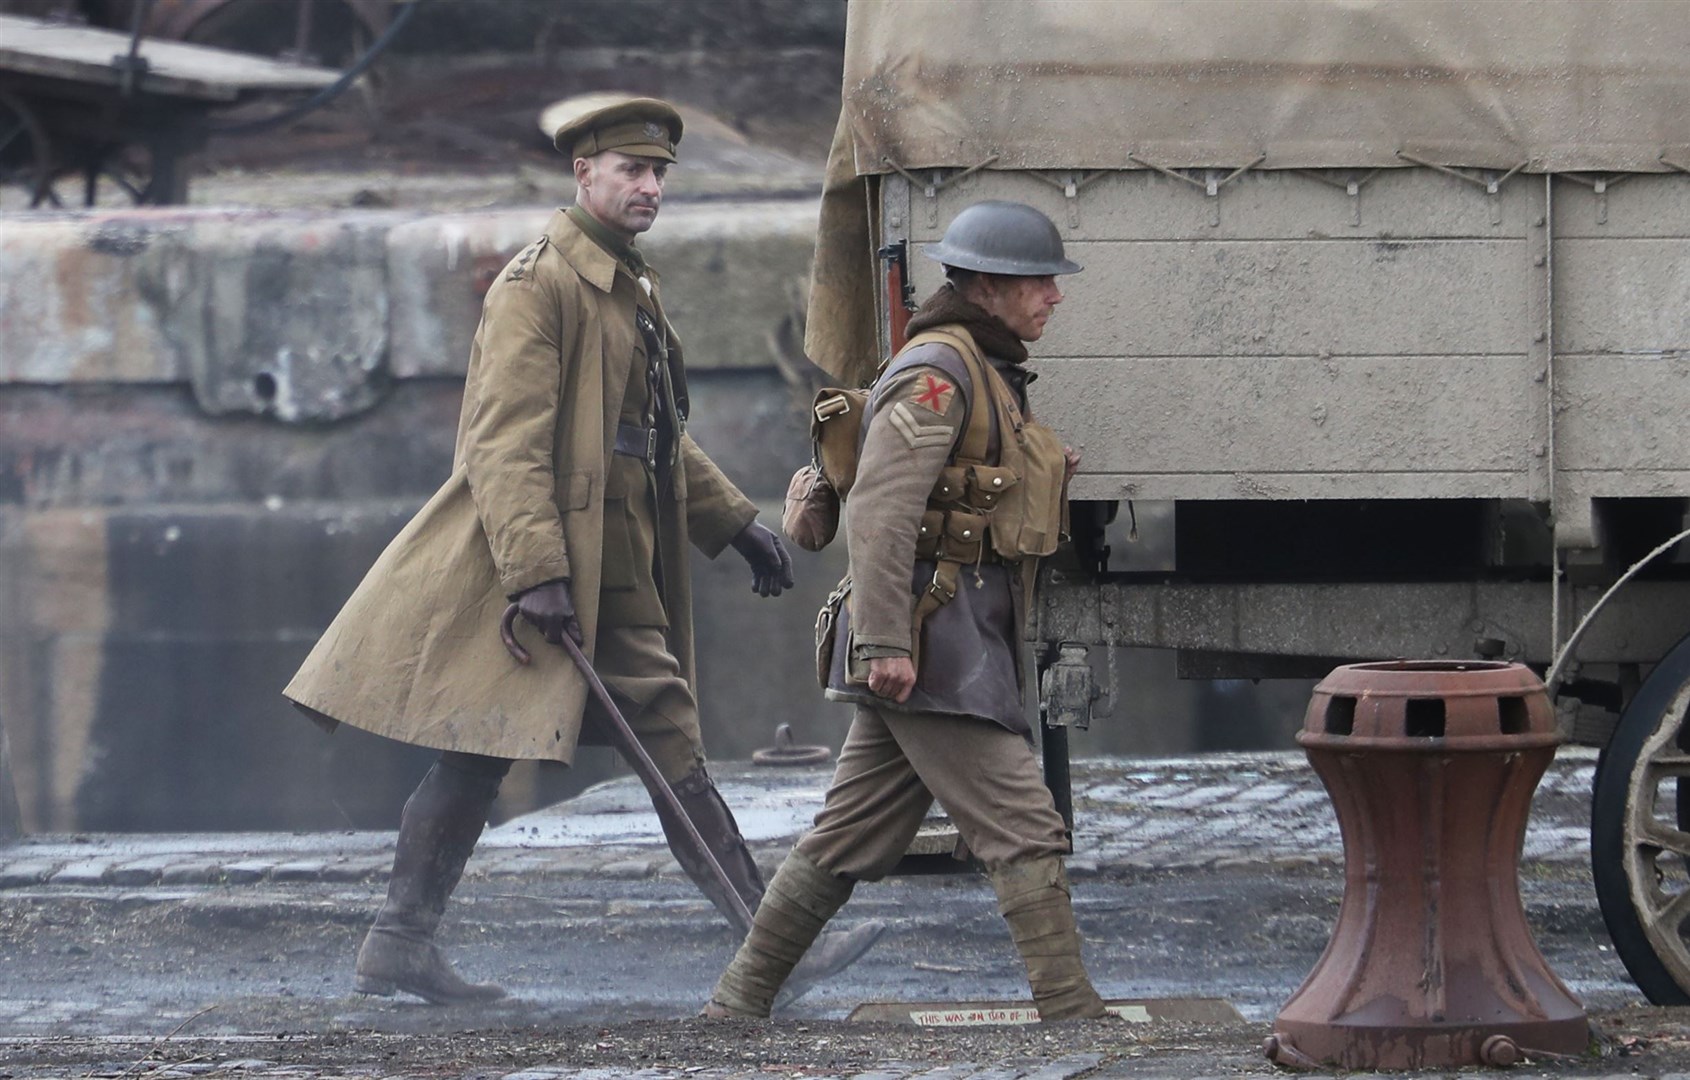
(1538, 85)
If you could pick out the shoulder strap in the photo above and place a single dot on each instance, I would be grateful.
(957, 370)
(527, 255)
(977, 432)
(905, 359)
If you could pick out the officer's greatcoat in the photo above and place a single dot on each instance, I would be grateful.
(415, 654)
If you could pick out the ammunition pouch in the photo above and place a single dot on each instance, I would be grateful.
(949, 488)
(1030, 517)
(986, 486)
(956, 536)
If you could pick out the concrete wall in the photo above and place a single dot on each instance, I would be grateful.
(210, 425)
(212, 422)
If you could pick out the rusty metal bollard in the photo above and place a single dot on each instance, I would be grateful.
(1431, 767)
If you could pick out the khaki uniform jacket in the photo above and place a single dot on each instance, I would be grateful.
(415, 654)
(970, 647)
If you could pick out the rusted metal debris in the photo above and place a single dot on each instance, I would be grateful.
(1431, 767)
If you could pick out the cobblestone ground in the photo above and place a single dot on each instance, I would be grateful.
(228, 955)
(1075, 1065)
(1218, 810)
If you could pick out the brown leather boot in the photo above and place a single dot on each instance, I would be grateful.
(800, 900)
(442, 821)
(710, 815)
(1033, 900)
(833, 951)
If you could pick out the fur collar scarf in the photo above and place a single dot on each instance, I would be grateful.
(946, 306)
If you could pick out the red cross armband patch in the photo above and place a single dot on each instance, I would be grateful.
(933, 393)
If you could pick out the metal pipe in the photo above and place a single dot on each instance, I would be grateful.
(1557, 569)
(1058, 776)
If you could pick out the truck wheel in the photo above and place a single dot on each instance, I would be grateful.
(1640, 832)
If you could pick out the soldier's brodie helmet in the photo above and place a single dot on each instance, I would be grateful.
(1003, 238)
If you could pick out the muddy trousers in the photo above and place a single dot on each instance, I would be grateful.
(892, 767)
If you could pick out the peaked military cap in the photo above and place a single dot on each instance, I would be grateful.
(644, 127)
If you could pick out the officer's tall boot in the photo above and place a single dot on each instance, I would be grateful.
(442, 821)
(832, 953)
(715, 823)
(1033, 899)
(800, 900)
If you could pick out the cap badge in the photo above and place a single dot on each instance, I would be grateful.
(654, 130)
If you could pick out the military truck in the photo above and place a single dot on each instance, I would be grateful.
(1386, 306)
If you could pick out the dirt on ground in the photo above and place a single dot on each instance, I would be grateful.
(1643, 1041)
(249, 980)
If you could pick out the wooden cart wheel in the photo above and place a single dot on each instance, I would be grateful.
(26, 157)
(1640, 833)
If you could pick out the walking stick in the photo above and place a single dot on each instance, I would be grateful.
(642, 764)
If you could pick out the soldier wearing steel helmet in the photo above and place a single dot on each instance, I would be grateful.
(575, 493)
(958, 493)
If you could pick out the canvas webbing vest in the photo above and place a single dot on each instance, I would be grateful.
(981, 510)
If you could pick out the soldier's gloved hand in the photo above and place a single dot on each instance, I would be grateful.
(551, 608)
(771, 566)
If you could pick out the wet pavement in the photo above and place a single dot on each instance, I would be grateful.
(1214, 877)
(1217, 810)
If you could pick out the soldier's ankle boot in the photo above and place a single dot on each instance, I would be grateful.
(1033, 899)
(437, 831)
(799, 902)
(833, 951)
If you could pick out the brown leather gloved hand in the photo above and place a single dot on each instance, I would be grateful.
(551, 608)
(771, 566)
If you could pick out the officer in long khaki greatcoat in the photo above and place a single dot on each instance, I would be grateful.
(575, 492)
(958, 493)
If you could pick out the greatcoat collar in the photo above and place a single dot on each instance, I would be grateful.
(587, 256)
(583, 254)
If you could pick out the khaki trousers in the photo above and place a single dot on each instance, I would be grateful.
(645, 679)
(637, 668)
(895, 764)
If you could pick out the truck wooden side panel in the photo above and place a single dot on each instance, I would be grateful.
(1284, 339)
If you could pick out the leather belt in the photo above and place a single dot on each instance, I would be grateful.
(635, 441)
